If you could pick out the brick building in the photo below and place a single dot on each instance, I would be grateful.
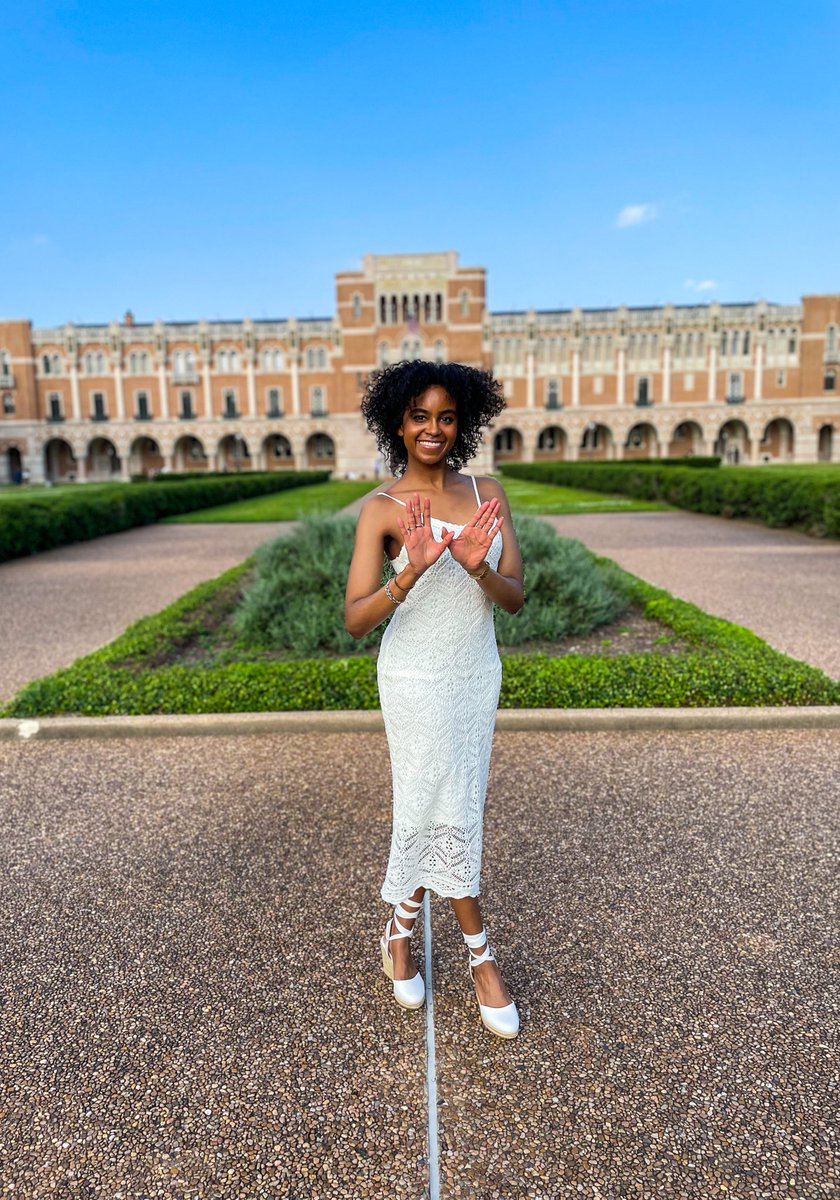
(756, 383)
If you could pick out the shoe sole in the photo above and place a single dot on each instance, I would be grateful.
(498, 1032)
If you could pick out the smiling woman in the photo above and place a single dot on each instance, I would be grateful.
(438, 671)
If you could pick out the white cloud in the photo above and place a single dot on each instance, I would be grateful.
(700, 285)
(636, 214)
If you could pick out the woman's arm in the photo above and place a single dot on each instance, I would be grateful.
(366, 603)
(504, 585)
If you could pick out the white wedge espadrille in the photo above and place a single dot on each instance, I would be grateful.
(410, 993)
(502, 1021)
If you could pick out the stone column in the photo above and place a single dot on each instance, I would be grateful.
(576, 378)
(75, 398)
(666, 376)
(712, 373)
(758, 380)
(118, 386)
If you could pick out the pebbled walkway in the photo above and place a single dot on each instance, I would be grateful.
(67, 602)
(781, 584)
(194, 1005)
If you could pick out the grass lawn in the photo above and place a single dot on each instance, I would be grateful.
(282, 506)
(526, 496)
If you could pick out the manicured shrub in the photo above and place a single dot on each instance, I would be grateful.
(296, 602)
(805, 497)
(44, 521)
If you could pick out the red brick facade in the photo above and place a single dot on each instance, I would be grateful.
(756, 383)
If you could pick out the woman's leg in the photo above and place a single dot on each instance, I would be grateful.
(400, 947)
(489, 985)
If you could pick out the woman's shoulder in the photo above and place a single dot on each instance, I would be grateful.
(489, 486)
(374, 500)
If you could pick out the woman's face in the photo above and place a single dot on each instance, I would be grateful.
(430, 426)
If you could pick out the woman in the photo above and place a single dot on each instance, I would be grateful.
(454, 554)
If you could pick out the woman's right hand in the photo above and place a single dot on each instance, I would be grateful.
(421, 546)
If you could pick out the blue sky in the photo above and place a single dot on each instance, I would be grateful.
(224, 160)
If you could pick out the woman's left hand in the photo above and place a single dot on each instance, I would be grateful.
(470, 547)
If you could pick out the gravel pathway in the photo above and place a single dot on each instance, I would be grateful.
(193, 1000)
(65, 603)
(783, 585)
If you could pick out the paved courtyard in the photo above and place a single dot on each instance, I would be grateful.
(782, 584)
(193, 1003)
(68, 602)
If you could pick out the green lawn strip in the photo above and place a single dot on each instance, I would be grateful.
(282, 506)
(728, 666)
(527, 496)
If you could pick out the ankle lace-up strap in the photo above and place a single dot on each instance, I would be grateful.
(402, 911)
(474, 940)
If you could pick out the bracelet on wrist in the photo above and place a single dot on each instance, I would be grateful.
(391, 595)
(481, 572)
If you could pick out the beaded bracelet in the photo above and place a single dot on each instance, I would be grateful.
(390, 594)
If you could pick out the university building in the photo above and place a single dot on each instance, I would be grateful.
(755, 383)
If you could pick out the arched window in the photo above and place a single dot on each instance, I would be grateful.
(394, 311)
(724, 343)
(274, 406)
(465, 303)
(831, 340)
(318, 401)
(735, 390)
(438, 306)
(230, 403)
(46, 364)
(357, 307)
(643, 390)
(791, 345)
(830, 380)
(384, 354)
(745, 348)
(8, 404)
(222, 361)
(552, 394)
(383, 311)
(272, 359)
(440, 351)
(548, 439)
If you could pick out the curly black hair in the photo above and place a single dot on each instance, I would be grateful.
(390, 390)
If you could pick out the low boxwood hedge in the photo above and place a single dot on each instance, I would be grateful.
(727, 666)
(775, 495)
(43, 522)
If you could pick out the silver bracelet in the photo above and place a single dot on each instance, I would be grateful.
(390, 594)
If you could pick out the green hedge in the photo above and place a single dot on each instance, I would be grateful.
(45, 521)
(774, 495)
(727, 666)
(690, 460)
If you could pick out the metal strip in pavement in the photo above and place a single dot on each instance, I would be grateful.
(351, 721)
(431, 1061)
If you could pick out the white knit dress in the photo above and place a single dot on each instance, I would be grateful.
(439, 676)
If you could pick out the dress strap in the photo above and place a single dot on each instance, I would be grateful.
(475, 489)
(394, 498)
